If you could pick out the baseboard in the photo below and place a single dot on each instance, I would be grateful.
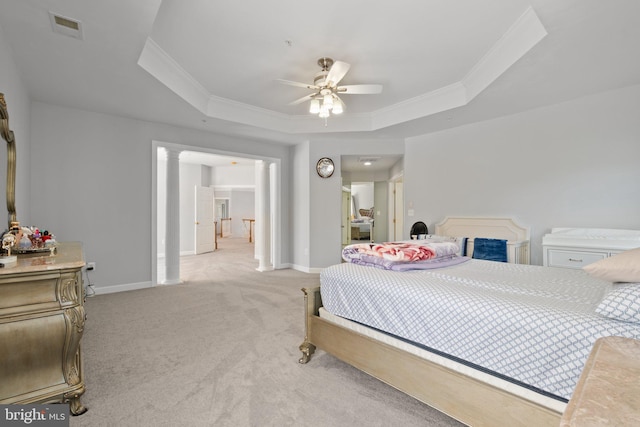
(100, 290)
(305, 269)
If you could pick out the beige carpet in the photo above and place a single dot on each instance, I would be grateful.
(221, 349)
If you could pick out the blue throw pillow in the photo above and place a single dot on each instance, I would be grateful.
(490, 249)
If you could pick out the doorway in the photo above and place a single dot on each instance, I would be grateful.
(160, 187)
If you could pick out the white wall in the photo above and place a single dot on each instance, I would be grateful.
(95, 185)
(236, 175)
(242, 205)
(18, 106)
(570, 165)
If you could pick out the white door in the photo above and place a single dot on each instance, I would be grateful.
(204, 226)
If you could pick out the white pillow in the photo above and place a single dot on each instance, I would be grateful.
(622, 267)
(622, 303)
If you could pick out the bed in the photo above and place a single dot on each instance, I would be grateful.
(493, 382)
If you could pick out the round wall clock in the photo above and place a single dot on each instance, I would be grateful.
(325, 167)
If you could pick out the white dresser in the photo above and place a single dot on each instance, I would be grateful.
(577, 247)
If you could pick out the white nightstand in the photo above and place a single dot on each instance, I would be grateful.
(577, 247)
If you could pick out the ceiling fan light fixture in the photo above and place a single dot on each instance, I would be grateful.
(324, 100)
(337, 107)
(314, 107)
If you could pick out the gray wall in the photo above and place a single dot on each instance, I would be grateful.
(300, 207)
(87, 176)
(570, 165)
(95, 186)
(325, 195)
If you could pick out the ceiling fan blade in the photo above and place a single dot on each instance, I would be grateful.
(337, 72)
(298, 84)
(360, 89)
(303, 99)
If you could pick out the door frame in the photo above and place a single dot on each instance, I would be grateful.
(275, 235)
(396, 207)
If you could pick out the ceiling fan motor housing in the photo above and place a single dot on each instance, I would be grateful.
(321, 78)
(325, 63)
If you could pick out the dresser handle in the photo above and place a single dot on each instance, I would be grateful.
(575, 260)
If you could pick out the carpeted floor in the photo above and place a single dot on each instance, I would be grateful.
(221, 349)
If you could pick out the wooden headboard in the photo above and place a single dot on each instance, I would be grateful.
(517, 236)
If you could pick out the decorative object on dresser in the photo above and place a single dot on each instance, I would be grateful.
(577, 247)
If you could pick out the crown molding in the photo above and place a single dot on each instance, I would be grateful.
(521, 37)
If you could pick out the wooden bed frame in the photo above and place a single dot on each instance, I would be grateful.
(460, 396)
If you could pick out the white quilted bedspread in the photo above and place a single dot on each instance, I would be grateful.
(535, 325)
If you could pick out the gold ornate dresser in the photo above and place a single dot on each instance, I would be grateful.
(41, 324)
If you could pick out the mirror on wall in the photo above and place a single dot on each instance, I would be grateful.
(362, 212)
(368, 179)
(8, 136)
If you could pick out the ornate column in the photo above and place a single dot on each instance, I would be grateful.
(263, 219)
(274, 209)
(172, 232)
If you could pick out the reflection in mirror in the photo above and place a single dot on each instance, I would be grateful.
(7, 135)
(13, 235)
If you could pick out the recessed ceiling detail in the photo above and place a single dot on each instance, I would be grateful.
(523, 35)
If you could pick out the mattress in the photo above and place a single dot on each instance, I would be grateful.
(532, 325)
(555, 404)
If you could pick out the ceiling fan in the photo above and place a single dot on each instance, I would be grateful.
(324, 98)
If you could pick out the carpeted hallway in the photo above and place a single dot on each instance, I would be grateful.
(221, 349)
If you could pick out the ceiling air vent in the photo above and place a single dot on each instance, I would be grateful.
(67, 26)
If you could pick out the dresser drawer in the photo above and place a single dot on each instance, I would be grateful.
(572, 259)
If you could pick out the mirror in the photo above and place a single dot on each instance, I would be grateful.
(7, 135)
